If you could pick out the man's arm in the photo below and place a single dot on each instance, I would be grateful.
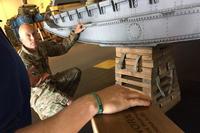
(75, 116)
(54, 49)
(36, 79)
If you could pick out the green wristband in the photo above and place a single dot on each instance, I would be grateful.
(99, 103)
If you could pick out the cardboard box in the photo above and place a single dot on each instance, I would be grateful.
(135, 120)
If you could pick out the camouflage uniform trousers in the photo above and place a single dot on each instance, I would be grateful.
(53, 95)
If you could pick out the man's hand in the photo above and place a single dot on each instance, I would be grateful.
(79, 28)
(116, 98)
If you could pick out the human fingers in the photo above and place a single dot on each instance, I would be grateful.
(31, 70)
(44, 76)
(138, 102)
(69, 101)
(79, 28)
(82, 26)
(137, 94)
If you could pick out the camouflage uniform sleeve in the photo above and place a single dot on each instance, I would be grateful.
(25, 59)
(28, 63)
(54, 49)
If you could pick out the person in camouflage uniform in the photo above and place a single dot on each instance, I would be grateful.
(49, 93)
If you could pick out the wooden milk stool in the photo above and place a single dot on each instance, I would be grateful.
(150, 70)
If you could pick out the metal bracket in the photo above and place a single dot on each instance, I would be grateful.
(78, 14)
(88, 11)
(114, 6)
(158, 86)
(133, 3)
(171, 69)
(54, 19)
(136, 66)
(121, 64)
(130, 3)
(62, 18)
(70, 16)
(153, 1)
(100, 9)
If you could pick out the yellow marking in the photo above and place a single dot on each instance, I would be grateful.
(108, 64)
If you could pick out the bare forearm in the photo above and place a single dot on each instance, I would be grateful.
(114, 99)
(70, 120)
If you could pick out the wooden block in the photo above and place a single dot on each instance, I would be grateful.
(138, 51)
(155, 74)
(148, 64)
(133, 56)
(145, 71)
(132, 82)
(135, 120)
(132, 73)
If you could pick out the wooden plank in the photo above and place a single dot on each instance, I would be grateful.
(148, 64)
(167, 103)
(134, 89)
(119, 83)
(175, 91)
(134, 74)
(142, 51)
(147, 91)
(144, 70)
(132, 82)
(175, 86)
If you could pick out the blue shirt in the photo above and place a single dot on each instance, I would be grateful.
(15, 109)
